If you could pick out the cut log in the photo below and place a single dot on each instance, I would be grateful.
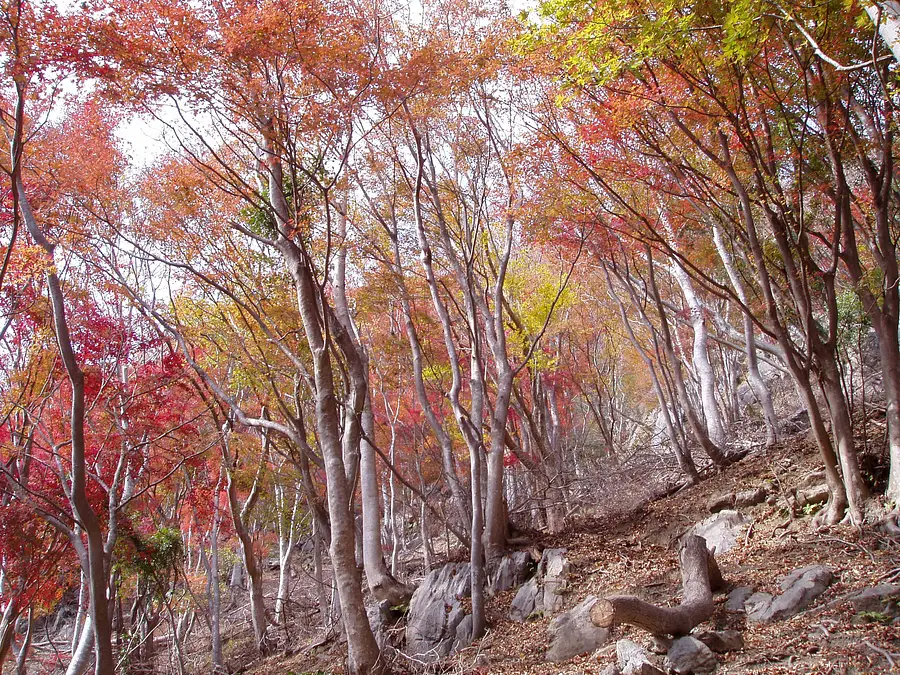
(700, 576)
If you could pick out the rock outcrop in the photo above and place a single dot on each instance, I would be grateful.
(435, 624)
(721, 530)
(573, 633)
(545, 591)
(799, 589)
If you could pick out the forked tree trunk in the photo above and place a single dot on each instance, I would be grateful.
(700, 577)
(364, 654)
(698, 429)
(239, 517)
(92, 553)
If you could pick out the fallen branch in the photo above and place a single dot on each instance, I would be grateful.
(700, 577)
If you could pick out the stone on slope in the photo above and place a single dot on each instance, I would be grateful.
(545, 591)
(721, 530)
(554, 571)
(512, 571)
(526, 601)
(721, 641)
(748, 498)
(800, 588)
(634, 660)
(573, 633)
(737, 597)
(436, 612)
(881, 599)
(689, 655)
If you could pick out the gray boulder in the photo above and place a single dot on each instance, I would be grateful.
(721, 641)
(689, 655)
(554, 571)
(721, 530)
(881, 599)
(512, 571)
(634, 659)
(545, 591)
(526, 601)
(573, 633)
(436, 613)
(737, 597)
(800, 588)
(748, 498)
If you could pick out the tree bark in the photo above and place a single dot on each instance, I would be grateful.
(700, 576)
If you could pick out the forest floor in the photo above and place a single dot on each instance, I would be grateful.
(635, 553)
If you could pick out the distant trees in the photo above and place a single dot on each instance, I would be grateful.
(410, 275)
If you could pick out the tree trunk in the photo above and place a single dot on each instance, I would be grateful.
(700, 577)
(214, 593)
(702, 365)
(886, 15)
(239, 516)
(81, 657)
(697, 427)
(93, 561)
(8, 627)
(842, 430)
(754, 379)
(26, 643)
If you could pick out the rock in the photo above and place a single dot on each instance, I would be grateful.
(748, 498)
(436, 612)
(757, 606)
(797, 422)
(377, 622)
(464, 632)
(512, 571)
(800, 588)
(554, 572)
(634, 660)
(720, 530)
(737, 597)
(721, 502)
(526, 601)
(689, 655)
(812, 479)
(882, 599)
(721, 641)
(611, 669)
(660, 644)
(815, 495)
(545, 591)
(573, 633)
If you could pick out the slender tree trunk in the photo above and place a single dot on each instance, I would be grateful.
(81, 657)
(697, 428)
(26, 643)
(476, 550)
(94, 561)
(286, 545)
(214, 593)
(682, 454)
(755, 380)
(842, 430)
(239, 516)
(702, 365)
(8, 627)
